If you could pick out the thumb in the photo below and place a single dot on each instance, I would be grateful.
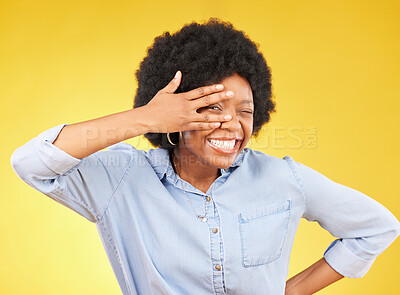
(174, 83)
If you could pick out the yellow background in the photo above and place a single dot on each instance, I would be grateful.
(335, 67)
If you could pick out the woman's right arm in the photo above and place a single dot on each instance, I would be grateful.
(166, 112)
(83, 185)
(66, 162)
(85, 138)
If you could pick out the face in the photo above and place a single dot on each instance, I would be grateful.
(219, 147)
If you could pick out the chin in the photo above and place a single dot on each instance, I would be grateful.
(223, 162)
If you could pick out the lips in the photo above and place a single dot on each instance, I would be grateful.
(221, 149)
(225, 138)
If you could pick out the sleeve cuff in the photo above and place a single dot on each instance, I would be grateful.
(54, 158)
(345, 262)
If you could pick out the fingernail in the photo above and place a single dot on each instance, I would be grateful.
(217, 124)
(227, 117)
(219, 86)
(176, 75)
(229, 93)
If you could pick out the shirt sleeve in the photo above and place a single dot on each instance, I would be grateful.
(364, 227)
(83, 185)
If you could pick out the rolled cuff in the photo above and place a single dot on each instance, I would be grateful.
(345, 262)
(54, 158)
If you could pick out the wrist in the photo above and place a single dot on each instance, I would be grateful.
(148, 121)
(140, 121)
(292, 288)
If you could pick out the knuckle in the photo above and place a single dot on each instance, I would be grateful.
(206, 118)
(200, 91)
(207, 100)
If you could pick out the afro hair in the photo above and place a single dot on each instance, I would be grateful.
(205, 54)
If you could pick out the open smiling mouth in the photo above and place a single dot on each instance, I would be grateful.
(224, 146)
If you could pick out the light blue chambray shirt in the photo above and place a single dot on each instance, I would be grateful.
(155, 243)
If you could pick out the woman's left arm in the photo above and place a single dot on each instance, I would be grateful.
(312, 279)
(364, 228)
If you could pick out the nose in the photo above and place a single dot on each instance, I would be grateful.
(233, 124)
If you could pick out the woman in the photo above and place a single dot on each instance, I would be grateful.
(202, 213)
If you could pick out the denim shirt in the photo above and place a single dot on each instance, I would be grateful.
(157, 245)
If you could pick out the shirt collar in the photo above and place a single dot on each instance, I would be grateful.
(159, 160)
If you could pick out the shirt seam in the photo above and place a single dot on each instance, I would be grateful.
(74, 200)
(101, 215)
(106, 229)
(61, 193)
(298, 180)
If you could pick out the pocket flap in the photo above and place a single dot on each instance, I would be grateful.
(273, 208)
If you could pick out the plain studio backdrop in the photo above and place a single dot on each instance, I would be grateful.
(335, 68)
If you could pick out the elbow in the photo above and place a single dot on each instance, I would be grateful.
(371, 246)
(20, 163)
(16, 162)
(394, 226)
(392, 232)
(396, 229)
(387, 227)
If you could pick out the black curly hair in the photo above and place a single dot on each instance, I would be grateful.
(205, 54)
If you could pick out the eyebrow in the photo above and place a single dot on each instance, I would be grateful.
(246, 101)
(249, 101)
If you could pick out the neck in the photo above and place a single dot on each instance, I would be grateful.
(190, 169)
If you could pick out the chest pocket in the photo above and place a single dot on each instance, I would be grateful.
(263, 232)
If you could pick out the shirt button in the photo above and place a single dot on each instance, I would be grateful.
(208, 198)
(215, 230)
(218, 267)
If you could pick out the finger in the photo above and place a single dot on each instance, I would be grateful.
(212, 98)
(211, 118)
(202, 125)
(173, 84)
(206, 90)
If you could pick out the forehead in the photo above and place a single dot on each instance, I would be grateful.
(240, 86)
(237, 83)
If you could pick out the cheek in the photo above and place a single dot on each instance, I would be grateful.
(195, 139)
(248, 126)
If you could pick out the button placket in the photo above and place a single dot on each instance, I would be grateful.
(216, 247)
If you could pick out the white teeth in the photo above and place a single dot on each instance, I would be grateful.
(226, 144)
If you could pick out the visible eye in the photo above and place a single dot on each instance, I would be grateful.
(209, 107)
